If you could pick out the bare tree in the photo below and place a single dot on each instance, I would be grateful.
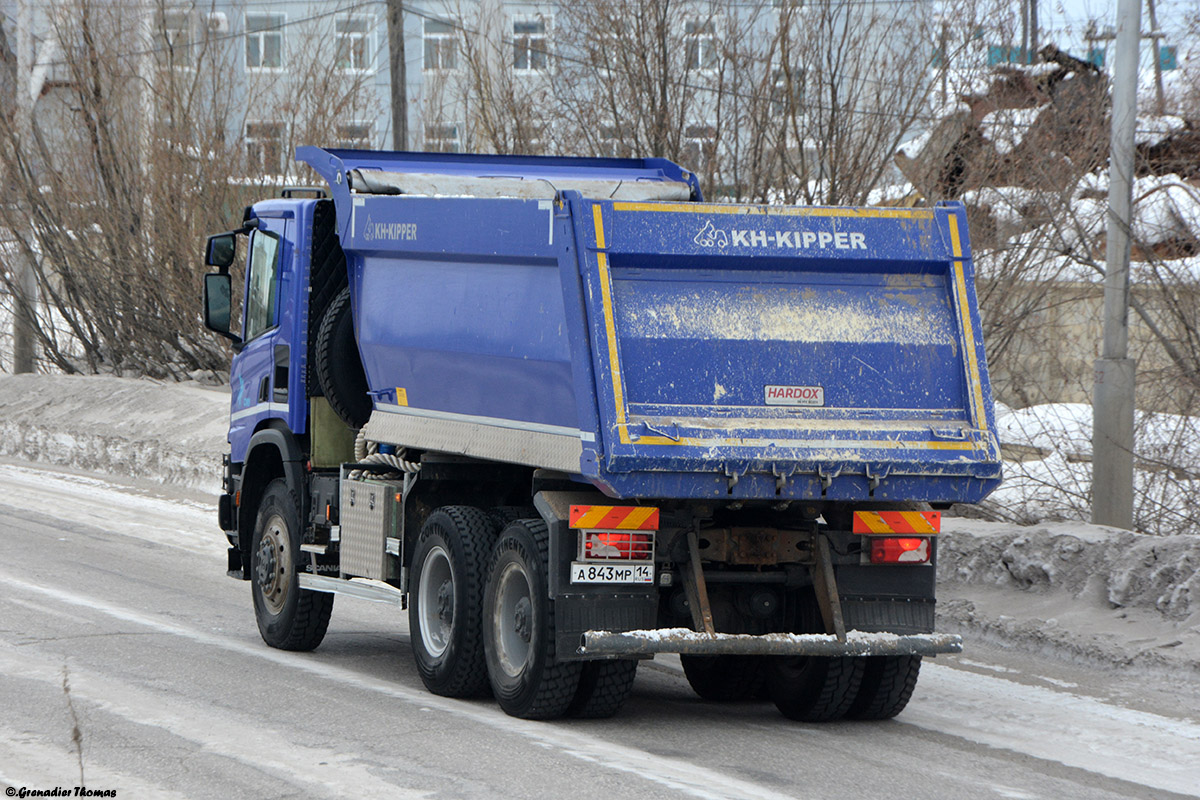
(138, 152)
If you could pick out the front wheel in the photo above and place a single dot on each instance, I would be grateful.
(518, 632)
(289, 617)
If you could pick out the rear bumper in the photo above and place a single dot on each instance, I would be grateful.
(689, 642)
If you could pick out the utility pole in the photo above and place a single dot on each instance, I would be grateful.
(1160, 104)
(24, 303)
(1033, 29)
(1024, 31)
(945, 53)
(1113, 409)
(399, 74)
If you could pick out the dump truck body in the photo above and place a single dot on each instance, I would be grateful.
(606, 419)
(664, 349)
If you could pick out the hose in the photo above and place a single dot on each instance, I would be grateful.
(368, 453)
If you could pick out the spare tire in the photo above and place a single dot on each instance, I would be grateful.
(339, 367)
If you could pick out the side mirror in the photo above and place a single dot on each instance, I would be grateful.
(220, 250)
(218, 303)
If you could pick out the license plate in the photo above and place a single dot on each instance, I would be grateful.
(611, 573)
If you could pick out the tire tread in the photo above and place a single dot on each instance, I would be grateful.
(887, 685)
(557, 682)
(310, 621)
(604, 686)
(476, 532)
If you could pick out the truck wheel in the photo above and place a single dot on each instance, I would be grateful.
(339, 366)
(289, 617)
(813, 688)
(604, 686)
(445, 608)
(518, 633)
(887, 685)
(724, 678)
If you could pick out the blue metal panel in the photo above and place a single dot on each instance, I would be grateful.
(335, 165)
(249, 409)
(667, 334)
(465, 318)
(253, 365)
(698, 313)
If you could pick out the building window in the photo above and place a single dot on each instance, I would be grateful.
(353, 44)
(616, 142)
(264, 41)
(441, 46)
(1006, 54)
(264, 147)
(442, 139)
(175, 39)
(1166, 57)
(531, 45)
(699, 147)
(354, 135)
(700, 39)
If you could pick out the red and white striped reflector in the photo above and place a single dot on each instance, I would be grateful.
(924, 523)
(615, 518)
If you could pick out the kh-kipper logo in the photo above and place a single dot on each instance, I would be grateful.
(394, 231)
(712, 236)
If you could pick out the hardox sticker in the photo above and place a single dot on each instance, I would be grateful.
(794, 395)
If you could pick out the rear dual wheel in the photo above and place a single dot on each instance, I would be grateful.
(822, 688)
(887, 684)
(813, 688)
(518, 633)
(445, 615)
(604, 686)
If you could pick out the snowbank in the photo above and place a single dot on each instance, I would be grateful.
(1074, 591)
(1006, 127)
(1109, 595)
(1109, 567)
(167, 433)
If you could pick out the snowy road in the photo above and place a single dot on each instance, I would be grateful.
(121, 591)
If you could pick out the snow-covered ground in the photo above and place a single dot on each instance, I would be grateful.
(1068, 588)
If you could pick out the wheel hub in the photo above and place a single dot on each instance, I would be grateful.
(445, 603)
(273, 569)
(266, 564)
(521, 614)
(435, 601)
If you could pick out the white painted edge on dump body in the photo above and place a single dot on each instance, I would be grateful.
(510, 186)
(514, 441)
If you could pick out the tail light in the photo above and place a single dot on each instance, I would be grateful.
(609, 533)
(625, 545)
(899, 549)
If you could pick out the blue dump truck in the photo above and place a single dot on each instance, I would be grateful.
(570, 416)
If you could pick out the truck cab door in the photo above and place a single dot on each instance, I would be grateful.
(259, 374)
